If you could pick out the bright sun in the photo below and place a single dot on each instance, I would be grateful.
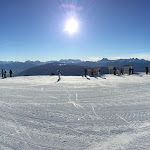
(71, 26)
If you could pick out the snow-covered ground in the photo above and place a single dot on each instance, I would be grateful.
(109, 113)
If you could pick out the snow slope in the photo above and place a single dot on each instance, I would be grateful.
(109, 113)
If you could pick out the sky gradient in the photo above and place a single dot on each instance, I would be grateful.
(34, 29)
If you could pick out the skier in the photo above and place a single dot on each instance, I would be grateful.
(121, 71)
(114, 70)
(10, 72)
(59, 74)
(5, 74)
(2, 73)
(118, 71)
(85, 71)
(146, 69)
(99, 73)
(130, 71)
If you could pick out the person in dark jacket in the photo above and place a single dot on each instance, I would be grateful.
(59, 74)
(115, 70)
(130, 71)
(85, 71)
(5, 74)
(10, 72)
(2, 73)
(146, 69)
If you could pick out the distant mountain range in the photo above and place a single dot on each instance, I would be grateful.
(69, 66)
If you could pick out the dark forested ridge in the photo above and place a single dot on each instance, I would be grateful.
(47, 69)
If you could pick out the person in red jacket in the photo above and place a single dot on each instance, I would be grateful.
(121, 71)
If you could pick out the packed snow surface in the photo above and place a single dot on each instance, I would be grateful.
(76, 113)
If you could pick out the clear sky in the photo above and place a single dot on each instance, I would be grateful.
(34, 29)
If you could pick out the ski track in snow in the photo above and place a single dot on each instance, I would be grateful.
(109, 113)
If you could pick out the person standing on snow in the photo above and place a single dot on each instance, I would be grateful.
(85, 71)
(99, 73)
(114, 70)
(121, 71)
(118, 71)
(146, 69)
(130, 71)
(10, 72)
(2, 73)
(59, 74)
(5, 74)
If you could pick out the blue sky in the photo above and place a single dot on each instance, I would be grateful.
(34, 29)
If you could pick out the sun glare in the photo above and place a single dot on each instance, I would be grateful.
(71, 26)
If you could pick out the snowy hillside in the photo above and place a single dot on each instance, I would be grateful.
(109, 113)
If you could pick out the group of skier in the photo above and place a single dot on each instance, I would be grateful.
(130, 71)
(92, 73)
(115, 71)
(120, 71)
(4, 73)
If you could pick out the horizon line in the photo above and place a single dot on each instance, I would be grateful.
(91, 59)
